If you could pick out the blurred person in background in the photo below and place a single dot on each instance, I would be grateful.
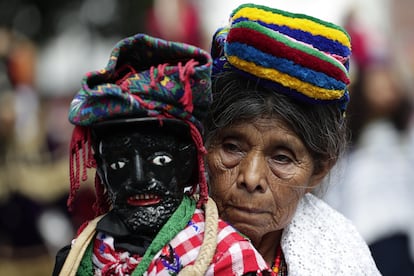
(21, 64)
(20, 237)
(175, 20)
(30, 182)
(376, 188)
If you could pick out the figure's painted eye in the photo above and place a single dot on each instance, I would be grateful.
(161, 160)
(117, 165)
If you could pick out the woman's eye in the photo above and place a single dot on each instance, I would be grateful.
(230, 147)
(117, 165)
(162, 160)
(282, 159)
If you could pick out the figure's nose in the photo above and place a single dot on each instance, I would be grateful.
(138, 168)
(252, 173)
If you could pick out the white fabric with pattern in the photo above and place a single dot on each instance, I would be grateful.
(321, 241)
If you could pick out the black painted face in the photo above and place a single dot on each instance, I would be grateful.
(145, 174)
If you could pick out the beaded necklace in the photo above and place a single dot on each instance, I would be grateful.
(279, 265)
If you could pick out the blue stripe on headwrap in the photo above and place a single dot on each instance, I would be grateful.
(283, 65)
(322, 43)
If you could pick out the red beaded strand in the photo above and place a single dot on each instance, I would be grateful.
(278, 260)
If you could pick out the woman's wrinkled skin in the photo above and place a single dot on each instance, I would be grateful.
(259, 170)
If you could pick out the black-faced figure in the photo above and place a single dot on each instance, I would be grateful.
(146, 166)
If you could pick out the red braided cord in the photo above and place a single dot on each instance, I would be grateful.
(75, 163)
(155, 79)
(201, 151)
(81, 141)
(85, 153)
(185, 73)
(198, 140)
(123, 83)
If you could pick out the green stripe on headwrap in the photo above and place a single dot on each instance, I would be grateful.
(294, 44)
(296, 54)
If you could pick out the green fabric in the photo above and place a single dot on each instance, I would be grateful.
(174, 225)
(86, 266)
(171, 228)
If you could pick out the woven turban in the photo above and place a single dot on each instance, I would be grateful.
(145, 77)
(299, 55)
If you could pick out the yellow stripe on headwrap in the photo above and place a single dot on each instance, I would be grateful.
(305, 88)
(300, 23)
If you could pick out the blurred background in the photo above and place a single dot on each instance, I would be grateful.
(47, 46)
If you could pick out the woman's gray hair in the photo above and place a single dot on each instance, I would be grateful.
(321, 127)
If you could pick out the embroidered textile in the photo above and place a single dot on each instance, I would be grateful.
(321, 241)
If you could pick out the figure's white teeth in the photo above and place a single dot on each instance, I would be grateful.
(145, 196)
(144, 199)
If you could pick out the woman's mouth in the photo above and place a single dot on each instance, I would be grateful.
(144, 200)
(249, 210)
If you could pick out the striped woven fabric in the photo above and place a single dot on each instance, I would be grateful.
(297, 54)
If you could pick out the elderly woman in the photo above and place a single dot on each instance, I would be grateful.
(275, 130)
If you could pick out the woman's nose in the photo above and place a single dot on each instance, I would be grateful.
(252, 176)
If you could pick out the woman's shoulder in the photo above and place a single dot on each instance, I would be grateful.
(320, 239)
(317, 211)
(234, 254)
(228, 238)
(324, 224)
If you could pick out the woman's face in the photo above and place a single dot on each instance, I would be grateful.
(258, 173)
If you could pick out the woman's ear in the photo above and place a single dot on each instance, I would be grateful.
(319, 174)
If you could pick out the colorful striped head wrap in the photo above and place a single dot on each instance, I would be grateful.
(145, 77)
(299, 55)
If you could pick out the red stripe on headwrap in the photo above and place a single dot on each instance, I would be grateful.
(271, 46)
